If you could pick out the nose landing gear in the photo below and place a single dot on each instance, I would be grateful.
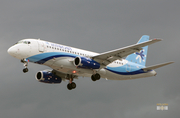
(25, 65)
(25, 70)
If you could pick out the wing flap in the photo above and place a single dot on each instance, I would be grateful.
(156, 66)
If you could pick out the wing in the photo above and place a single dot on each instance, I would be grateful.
(110, 56)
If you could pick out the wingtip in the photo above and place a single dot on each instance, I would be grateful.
(171, 62)
(157, 39)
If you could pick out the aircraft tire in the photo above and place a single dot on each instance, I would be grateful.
(93, 78)
(69, 87)
(25, 70)
(97, 76)
(73, 85)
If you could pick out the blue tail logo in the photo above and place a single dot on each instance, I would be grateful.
(140, 56)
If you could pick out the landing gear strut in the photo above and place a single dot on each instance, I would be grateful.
(95, 77)
(71, 84)
(25, 65)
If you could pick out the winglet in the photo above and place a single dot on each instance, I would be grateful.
(156, 66)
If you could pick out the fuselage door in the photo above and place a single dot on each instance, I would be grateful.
(41, 46)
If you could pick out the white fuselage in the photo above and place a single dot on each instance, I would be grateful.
(43, 52)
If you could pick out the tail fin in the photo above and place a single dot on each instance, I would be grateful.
(140, 57)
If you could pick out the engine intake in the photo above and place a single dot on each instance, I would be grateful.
(48, 77)
(83, 62)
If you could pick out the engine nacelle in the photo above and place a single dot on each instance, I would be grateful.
(48, 77)
(84, 62)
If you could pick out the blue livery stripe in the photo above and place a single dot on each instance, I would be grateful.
(127, 69)
(44, 57)
(140, 71)
(122, 70)
(51, 57)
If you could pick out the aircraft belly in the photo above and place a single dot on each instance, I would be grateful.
(65, 65)
(114, 76)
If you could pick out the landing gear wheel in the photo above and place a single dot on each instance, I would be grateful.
(93, 78)
(71, 86)
(97, 76)
(25, 70)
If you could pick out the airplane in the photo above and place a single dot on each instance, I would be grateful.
(69, 63)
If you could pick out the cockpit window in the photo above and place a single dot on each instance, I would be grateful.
(19, 42)
(25, 42)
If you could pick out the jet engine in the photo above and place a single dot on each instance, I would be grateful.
(83, 62)
(48, 77)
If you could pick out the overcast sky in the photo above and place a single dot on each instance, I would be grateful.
(99, 26)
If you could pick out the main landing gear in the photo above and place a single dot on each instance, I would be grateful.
(25, 65)
(71, 84)
(95, 77)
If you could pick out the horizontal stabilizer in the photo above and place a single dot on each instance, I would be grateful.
(156, 66)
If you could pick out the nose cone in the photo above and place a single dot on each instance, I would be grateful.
(12, 51)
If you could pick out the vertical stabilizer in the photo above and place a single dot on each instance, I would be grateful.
(140, 57)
